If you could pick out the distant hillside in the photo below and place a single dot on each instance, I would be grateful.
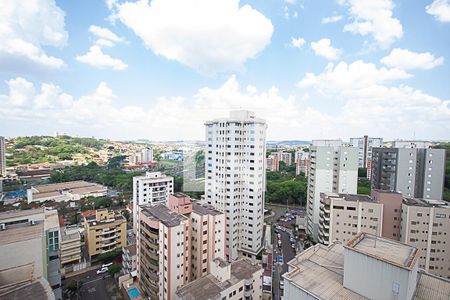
(288, 143)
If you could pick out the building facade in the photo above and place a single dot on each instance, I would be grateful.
(70, 251)
(104, 231)
(302, 162)
(343, 216)
(235, 179)
(146, 155)
(152, 188)
(333, 169)
(273, 163)
(365, 145)
(2, 157)
(426, 225)
(414, 172)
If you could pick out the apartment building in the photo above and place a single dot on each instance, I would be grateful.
(129, 260)
(366, 267)
(235, 179)
(414, 172)
(104, 231)
(32, 237)
(162, 246)
(426, 226)
(392, 211)
(146, 155)
(411, 144)
(241, 279)
(365, 145)
(343, 216)
(285, 157)
(2, 157)
(302, 162)
(272, 163)
(333, 169)
(70, 250)
(152, 188)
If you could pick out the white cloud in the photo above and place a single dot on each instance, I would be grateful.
(331, 19)
(209, 36)
(105, 34)
(405, 59)
(297, 42)
(26, 27)
(323, 48)
(374, 17)
(440, 9)
(96, 58)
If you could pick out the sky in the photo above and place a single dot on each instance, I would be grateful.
(159, 69)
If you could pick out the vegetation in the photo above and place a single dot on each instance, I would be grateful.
(284, 187)
(114, 269)
(110, 256)
(73, 284)
(362, 172)
(101, 202)
(446, 146)
(363, 186)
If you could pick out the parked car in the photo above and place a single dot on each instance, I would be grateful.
(107, 265)
(102, 270)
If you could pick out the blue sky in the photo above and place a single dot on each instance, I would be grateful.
(159, 69)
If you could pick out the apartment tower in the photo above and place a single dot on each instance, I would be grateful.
(333, 169)
(2, 157)
(235, 178)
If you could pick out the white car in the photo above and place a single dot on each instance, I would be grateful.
(102, 270)
(107, 265)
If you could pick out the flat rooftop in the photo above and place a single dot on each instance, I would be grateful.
(45, 188)
(68, 237)
(349, 197)
(386, 250)
(163, 214)
(425, 202)
(20, 213)
(205, 209)
(209, 287)
(23, 233)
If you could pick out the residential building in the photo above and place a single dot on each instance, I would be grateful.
(426, 226)
(129, 260)
(146, 155)
(285, 157)
(241, 279)
(152, 188)
(65, 191)
(302, 162)
(2, 157)
(366, 267)
(235, 179)
(392, 211)
(365, 145)
(163, 242)
(343, 216)
(272, 163)
(333, 169)
(70, 250)
(414, 172)
(32, 237)
(411, 144)
(104, 231)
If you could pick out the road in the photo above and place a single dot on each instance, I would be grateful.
(94, 286)
(288, 252)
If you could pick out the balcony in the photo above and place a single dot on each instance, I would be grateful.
(108, 231)
(109, 244)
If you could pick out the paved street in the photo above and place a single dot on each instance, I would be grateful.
(94, 286)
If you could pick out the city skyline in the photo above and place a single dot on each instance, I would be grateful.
(125, 71)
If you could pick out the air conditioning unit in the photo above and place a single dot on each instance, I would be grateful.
(2, 226)
(31, 222)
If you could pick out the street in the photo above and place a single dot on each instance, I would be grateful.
(94, 286)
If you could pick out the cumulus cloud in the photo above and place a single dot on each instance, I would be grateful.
(332, 19)
(297, 42)
(374, 17)
(105, 34)
(209, 36)
(323, 48)
(440, 9)
(405, 59)
(26, 28)
(96, 58)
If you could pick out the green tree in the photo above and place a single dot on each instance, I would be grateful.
(114, 269)
(362, 172)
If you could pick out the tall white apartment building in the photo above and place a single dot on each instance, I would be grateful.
(235, 178)
(333, 169)
(152, 188)
(2, 157)
(146, 155)
(301, 162)
(365, 145)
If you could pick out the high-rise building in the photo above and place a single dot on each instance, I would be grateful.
(426, 225)
(333, 169)
(302, 162)
(235, 178)
(70, 250)
(152, 188)
(365, 145)
(32, 237)
(343, 216)
(285, 157)
(366, 267)
(146, 155)
(2, 157)
(411, 144)
(414, 172)
(272, 163)
(104, 231)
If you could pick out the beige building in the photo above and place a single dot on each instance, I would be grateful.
(241, 279)
(343, 216)
(392, 210)
(65, 191)
(104, 231)
(273, 163)
(426, 225)
(366, 267)
(70, 250)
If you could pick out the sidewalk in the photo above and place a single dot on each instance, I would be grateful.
(72, 274)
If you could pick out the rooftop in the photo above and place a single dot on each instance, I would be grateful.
(71, 236)
(20, 213)
(65, 186)
(205, 209)
(425, 202)
(23, 233)
(209, 287)
(349, 197)
(163, 214)
(389, 251)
